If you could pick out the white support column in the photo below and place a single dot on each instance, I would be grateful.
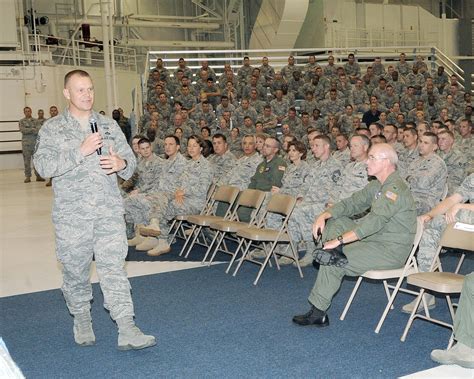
(112, 57)
(106, 51)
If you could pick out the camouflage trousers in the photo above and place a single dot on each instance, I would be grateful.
(301, 222)
(171, 210)
(28, 149)
(140, 207)
(77, 241)
(464, 318)
(432, 235)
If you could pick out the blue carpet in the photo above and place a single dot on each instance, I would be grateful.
(210, 324)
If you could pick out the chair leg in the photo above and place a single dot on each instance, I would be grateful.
(208, 251)
(235, 255)
(391, 299)
(295, 257)
(275, 257)
(195, 234)
(451, 341)
(188, 238)
(349, 302)
(265, 262)
(461, 260)
(244, 254)
(175, 224)
(412, 315)
(216, 248)
(387, 291)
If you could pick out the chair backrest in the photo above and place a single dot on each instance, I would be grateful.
(226, 194)
(419, 232)
(251, 198)
(456, 238)
(281, 204)
(207, 209)
(411, 260)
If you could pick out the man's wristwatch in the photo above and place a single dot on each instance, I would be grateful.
(126, 164)
(340, 239)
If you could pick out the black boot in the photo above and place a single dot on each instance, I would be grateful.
(313, 317)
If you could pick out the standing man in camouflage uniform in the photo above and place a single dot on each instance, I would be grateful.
(88, 209)
(29, 131)
(381, 240)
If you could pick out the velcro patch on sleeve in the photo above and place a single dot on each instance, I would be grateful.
(390, 195)
(282, 168)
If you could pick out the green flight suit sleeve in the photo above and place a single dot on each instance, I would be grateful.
(390, 201)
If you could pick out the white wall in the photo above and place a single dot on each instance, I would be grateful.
(278, 24)
(325, 17)
(42, 87)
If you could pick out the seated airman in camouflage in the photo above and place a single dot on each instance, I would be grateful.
(410, 152)
(427, 175)
(291, 183)
(314, 194)
(352, 68)
(268, 120)
(188, 198)
(342, 152)
(459, 207)
(139, 208)
(456, 162)
(222, 159)
(280, 105)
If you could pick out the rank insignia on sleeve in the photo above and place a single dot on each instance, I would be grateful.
(392, 196)
(282, 168)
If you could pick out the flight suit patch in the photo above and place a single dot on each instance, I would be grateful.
(390, 195)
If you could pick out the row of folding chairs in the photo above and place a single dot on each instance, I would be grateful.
(216, 232)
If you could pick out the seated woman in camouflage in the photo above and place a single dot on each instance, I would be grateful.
(188, 198)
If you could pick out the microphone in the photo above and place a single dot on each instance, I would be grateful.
(94, 129)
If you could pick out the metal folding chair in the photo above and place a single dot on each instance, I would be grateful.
(399, 274)
(179, 221)
(270, 238)
(441, 282)
(223, 194)
(249, 198)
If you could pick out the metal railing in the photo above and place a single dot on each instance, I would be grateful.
(279, 57)
(79, 52)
